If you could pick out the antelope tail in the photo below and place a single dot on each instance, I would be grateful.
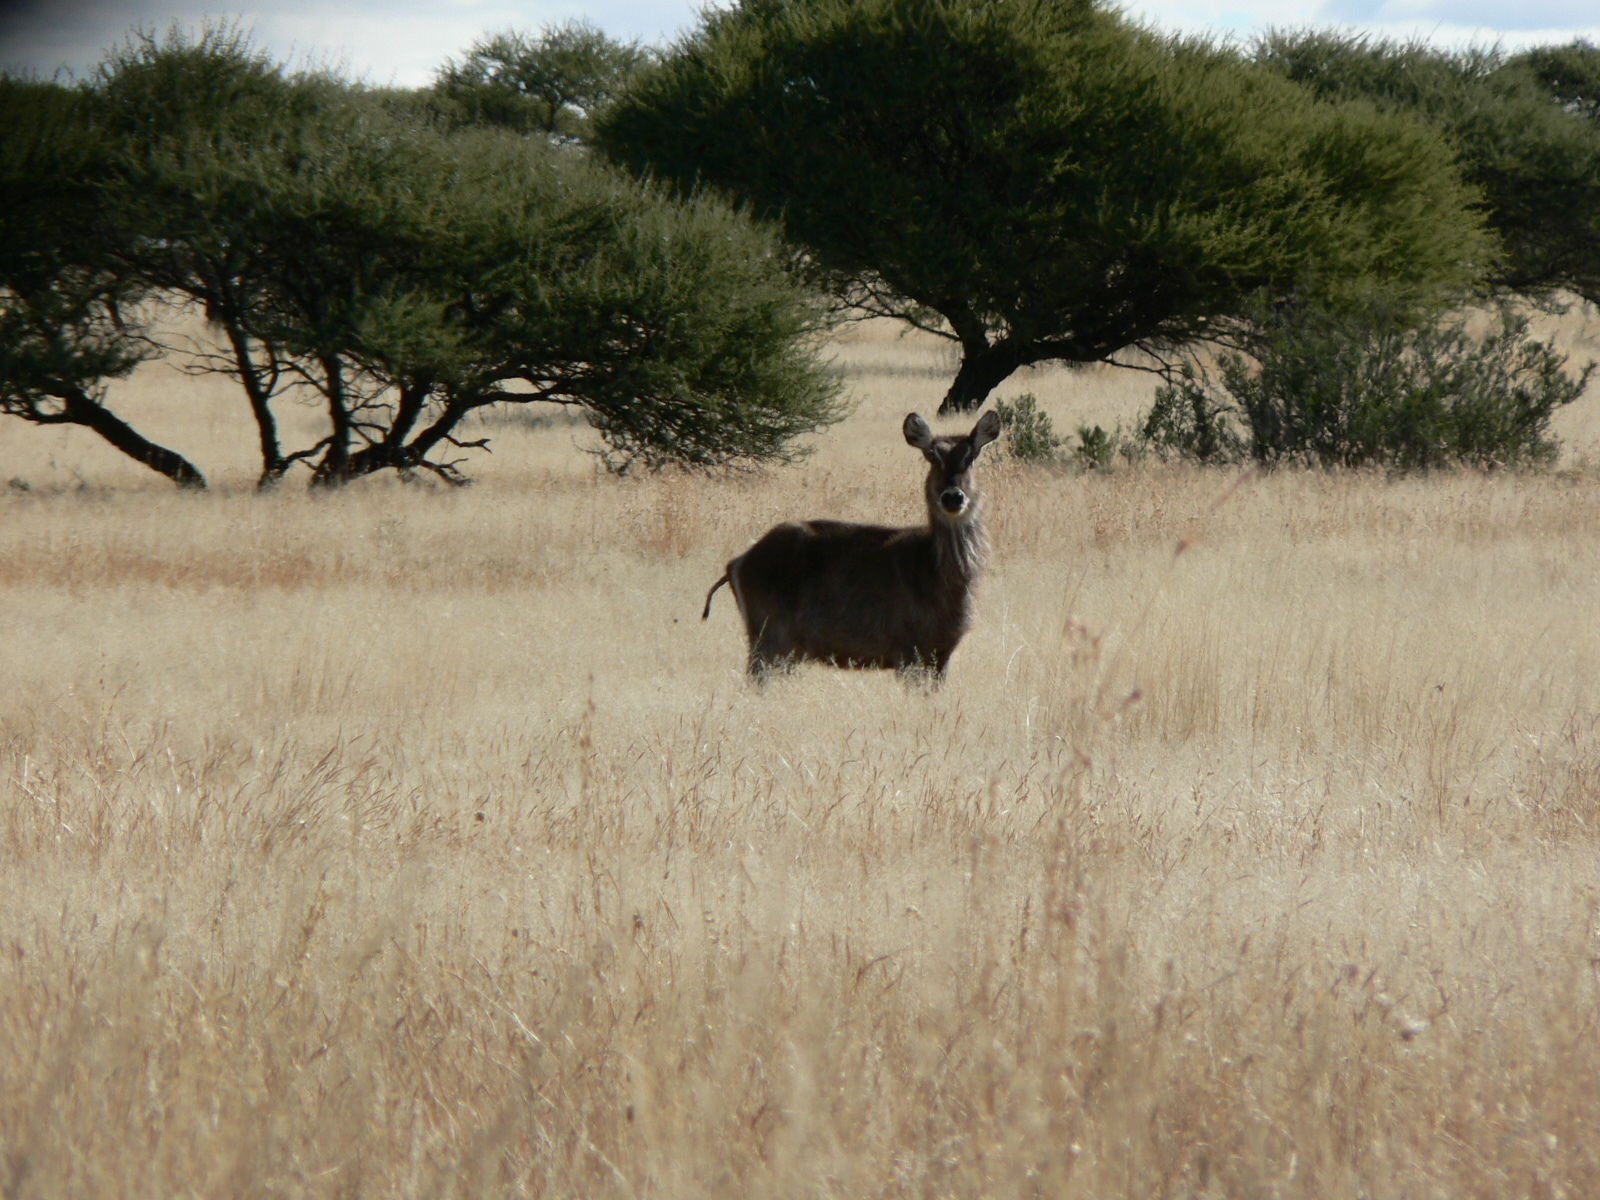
(707, 613)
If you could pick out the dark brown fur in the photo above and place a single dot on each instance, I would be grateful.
(869, 595)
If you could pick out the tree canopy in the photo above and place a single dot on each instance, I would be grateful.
(548, 83)
(404, 273)
(1525, 131)
(1570, 73)
(69, 318)
(1040, 179)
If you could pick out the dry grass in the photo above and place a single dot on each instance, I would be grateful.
(420, 843)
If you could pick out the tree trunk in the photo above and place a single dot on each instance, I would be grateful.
(982, 370)
(272, 463)
(333, 470)
(81, 410)
(393, 451)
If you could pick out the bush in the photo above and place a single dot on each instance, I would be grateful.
(1096, 448)
(1366, 386)
(1189, 420)
(1029, 434)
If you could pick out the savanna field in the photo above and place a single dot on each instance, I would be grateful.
(411, 841)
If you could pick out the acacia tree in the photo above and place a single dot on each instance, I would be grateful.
(547, 83)
(69, 318)
(1038, 179)
(674, 325)
(1570, 73)
(206, 129)
(485, 269)
(1523, 130)
(405, 274)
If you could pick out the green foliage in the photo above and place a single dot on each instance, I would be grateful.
(403, 273)
(1188, 419)
(54, 171)
(550, 83)
(1036, 180)
(1030, 436)
(251, 193)
(1570, 73)
(1523, 129)
(673, 323)
(67, 312)
(61, 340)
(1096, 448)
(1365, 386)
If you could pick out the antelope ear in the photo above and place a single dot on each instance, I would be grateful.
(917, 432)
(986, 430)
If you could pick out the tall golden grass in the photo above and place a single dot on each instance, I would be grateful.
(413, 842)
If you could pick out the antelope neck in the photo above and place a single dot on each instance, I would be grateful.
(958, 545)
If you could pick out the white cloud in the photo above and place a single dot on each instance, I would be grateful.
(404, 41)
(1477, 14)
(382, 41)
(1443, 22)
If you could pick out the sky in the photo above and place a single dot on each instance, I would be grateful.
(403, 42)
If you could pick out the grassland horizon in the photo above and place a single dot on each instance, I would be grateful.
(423, 842)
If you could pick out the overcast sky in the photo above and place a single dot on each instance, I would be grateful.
(403, 41)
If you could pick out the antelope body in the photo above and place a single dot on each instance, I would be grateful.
(869, 595)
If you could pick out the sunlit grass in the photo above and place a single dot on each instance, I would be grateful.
(422, 842)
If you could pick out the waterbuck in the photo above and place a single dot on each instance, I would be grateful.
(867, 595)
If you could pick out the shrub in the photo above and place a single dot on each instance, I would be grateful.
(1364, 385)
(1096, 448)
(1029, 434)
(1189, 420)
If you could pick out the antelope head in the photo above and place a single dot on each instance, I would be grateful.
(951, 492)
